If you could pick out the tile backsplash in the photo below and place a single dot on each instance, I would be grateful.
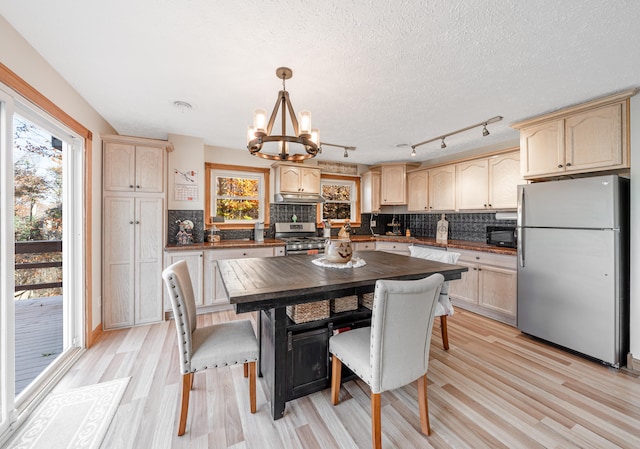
(462, 226)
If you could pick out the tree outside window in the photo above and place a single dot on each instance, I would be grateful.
(237, 196)
(340, 200)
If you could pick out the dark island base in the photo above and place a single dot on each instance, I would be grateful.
(294, 358)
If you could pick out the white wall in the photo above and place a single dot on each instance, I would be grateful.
(188, 154)
(22, 59)
(635, 230)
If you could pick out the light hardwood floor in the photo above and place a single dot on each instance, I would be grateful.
(494, 388)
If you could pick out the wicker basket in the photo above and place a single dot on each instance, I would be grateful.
(303, 313)
(344, 304)
(367, 300)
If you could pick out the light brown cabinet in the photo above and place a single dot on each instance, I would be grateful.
(489, 288)
(133, 168)
(132, 261)
(488, 183)
(371, 192)
(586, 138)
(203, 268)
(442, 188)
(418, 191)
(393, 185)
(133, 218)
(297, 179)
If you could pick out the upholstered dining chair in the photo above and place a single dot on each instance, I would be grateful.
(444, 307)
(394, 350)
(210, 346)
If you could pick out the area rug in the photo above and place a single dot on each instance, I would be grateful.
(75, 419)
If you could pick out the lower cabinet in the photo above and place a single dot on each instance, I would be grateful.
(393, 247)
(194, 264)
(203, 268)
(489, 288)
(364, 246)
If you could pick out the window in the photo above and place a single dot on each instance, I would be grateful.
(342, 202)
(236, 194)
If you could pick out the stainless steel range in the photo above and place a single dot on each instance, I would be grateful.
(300, 238)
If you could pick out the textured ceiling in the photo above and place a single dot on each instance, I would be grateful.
(373, 73)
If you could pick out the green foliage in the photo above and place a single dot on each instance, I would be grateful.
(237, 198)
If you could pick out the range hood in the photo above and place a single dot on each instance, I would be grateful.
(298, 198)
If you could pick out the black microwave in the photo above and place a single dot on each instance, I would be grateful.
(502, 236)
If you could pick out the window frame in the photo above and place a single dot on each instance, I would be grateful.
(354, 221)
(236, 170)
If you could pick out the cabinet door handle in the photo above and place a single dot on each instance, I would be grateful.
(137, 221)
(485, 205)
(568, 164)
(489, 204)
(131, 186)
(131, 222)
(137, 187)
(244, 254)
(559, 165)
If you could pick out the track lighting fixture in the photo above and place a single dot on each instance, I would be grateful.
(413, 152)
(485, 132)
(346, 148)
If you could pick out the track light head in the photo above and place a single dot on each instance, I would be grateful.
(413, 152)
(485, 131)
(346, 153)
(442, 144)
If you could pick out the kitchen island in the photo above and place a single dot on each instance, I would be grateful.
(268, 285)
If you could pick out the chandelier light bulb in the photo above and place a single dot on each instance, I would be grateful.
(315, 136)
(304, 122)
(251, 133)
(259, 120)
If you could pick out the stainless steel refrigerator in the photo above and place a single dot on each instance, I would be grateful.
(573, 264)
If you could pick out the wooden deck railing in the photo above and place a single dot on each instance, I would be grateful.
(38, 247)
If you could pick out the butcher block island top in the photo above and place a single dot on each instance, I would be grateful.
(273, 282)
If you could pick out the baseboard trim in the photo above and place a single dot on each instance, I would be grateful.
(633, 365)
(95, 335)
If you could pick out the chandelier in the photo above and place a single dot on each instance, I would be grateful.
(260, 132)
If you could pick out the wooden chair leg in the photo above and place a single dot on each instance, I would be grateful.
(424, 405)
(191, 377)
(336, 374)
(445, 334)
(251, 367)
(246, 369)
(187, 381)
(376, 431)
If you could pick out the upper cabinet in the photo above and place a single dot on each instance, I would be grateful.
(418, 191)
(297, 179)
(488, 183)
(585, 138)
(393, 182)
(371, 192)
(129, 167)
(393, 186)
(442, 188)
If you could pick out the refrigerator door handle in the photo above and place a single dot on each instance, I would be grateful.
(520, 240)
(519, 229)
(520, 206)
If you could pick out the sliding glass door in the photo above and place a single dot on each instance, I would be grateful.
(42, 248)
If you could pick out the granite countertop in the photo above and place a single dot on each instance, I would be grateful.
(458, 244)
(225, 244)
